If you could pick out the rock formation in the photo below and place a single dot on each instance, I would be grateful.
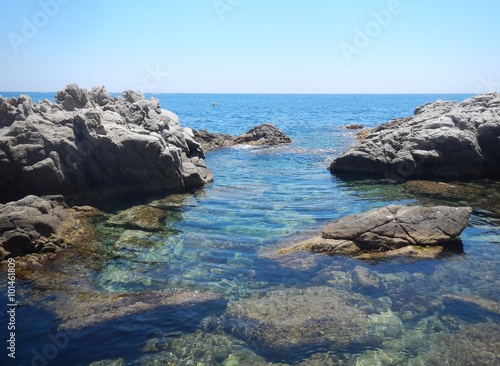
(443, 139)
(89, 146)
(261, 135)
(391, 231)
(264, 134)
(33, 225)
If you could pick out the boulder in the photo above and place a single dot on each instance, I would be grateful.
(264, 134)
(392, 230)
(89, 146)
(443, 139)
(33, 225)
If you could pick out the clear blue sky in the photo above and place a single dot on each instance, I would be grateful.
(251, 46)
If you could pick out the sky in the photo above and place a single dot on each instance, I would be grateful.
(251, 46)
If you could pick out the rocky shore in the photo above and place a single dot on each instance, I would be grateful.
(89, 146)
(441, 140)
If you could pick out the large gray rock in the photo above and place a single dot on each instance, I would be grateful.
(444, 139)
(90, 146)
(33, 225)
(393, 230)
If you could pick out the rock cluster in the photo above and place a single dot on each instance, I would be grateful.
(391, 231)
(261, 135)
(443, 139)
(89, 146)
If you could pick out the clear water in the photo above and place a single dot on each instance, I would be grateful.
(223, 237)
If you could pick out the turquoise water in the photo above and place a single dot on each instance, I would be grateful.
(223, 239)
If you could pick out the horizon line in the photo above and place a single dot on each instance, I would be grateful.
(265, 93)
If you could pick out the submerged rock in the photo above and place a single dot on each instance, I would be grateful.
(472, 344)
(391, 230)
(444, 139)
(443, 190)
(34, 225)
(139, 217)
(483, 194)
(261, 135)
(90, 146)
(90, 308)
(281, 322)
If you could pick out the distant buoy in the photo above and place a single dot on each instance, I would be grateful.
(213, 104)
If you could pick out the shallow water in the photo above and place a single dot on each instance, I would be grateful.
(223, 239)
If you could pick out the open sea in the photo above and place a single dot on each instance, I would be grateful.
(223, 239)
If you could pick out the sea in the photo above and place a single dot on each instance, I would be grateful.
(224, 238)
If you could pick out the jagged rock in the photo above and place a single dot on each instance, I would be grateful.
(261, 135)
(90, 146)
(264, 134)
(443, 139)
(211, 141)
(33, 225)
(392, 230)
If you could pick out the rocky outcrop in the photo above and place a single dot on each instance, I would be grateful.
(443, 139)
(264, 134)
(33, 225)
(261, 135)
(212, 141)
(392, 230)
(90, 146)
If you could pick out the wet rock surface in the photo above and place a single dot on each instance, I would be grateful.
(142, 217)
(443, 139)
(392, 230)
(89, 146)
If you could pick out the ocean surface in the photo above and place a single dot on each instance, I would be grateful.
(223, 239)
